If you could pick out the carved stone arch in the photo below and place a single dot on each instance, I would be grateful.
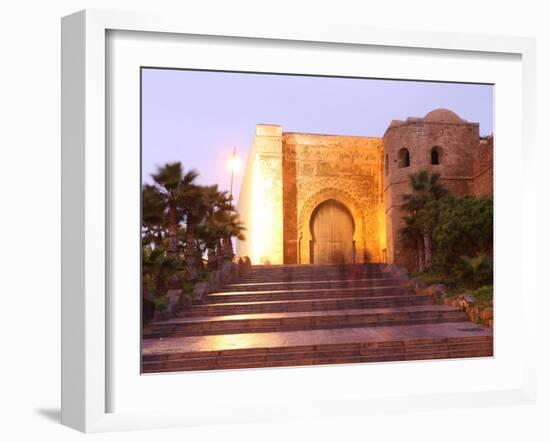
(304, 232)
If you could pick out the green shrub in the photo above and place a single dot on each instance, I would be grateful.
(474, 271)
(188, 287)
(430, 278)
(160, 303)
(484, 296)
(462, 226)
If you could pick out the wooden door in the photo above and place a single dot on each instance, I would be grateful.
(332, 233)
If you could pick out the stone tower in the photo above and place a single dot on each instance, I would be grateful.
(260, 204)
(315, 198)
(440, 142)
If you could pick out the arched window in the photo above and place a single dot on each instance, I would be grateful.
(403, 158)
(435, 155)
(387, 164)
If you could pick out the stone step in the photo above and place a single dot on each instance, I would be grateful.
(309, 360)
(297, 294)
(311, 284)
(316, 267)
(272, 322)
(271, 270)
(350, 269)
(293, 315)
(401, 350)
(292, 342)
(304, 305)
(301, 276)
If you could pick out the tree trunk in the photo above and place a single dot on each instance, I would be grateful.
(228, 248)
(219, 254)
(157, 238)
(199, 265)
(160, 286)
(420, 253)
(172, 229)
(427, 248)
(191, 252)
(212, 258)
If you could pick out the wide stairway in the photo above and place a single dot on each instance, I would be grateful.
(311, 314)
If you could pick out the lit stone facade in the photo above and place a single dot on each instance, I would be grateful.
(290, 178)
(260, 204)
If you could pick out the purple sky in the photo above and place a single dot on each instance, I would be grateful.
(197, 117)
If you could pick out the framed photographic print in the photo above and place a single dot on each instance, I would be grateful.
(264, 223)
(287, 261)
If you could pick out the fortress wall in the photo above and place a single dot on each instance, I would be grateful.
(260, 205)
(345, 168)
(289, 174)
(482, 183)
(457, 142)
(291, 242)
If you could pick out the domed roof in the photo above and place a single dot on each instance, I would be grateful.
(443, 116)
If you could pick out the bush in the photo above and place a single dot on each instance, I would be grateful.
(430, 278)
(187, 287)
(160, 303)
(462, 226)
(474, 271)
(484, 296)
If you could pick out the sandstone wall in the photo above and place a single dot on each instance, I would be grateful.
(457, 144)
(482, 183)
(288, 175)
(260, 205)
(345, 168)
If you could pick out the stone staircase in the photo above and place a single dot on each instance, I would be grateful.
(311, 314)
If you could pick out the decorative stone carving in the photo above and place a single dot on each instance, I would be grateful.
(289, 174)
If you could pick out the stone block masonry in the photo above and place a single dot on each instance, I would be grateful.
(299, 188)
(441, 142)
(482, 183)
(260, 204)
(346, 169)
(288, 175)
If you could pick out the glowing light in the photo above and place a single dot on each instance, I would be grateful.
(234, 164)
(267, 227)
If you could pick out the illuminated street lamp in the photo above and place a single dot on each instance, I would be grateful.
(234, 165)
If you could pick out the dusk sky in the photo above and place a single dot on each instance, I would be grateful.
(197, 117)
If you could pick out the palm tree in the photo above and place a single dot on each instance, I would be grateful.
(413, 235)
(194, 207)
(231, 227)
(173, 187)
(425, 188)
(179, 215)
(153, 218)
(211, 230)
(157, 268)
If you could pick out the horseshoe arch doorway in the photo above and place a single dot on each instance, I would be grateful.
(332, 228)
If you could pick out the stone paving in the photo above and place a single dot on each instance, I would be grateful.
(313, 337)
(308, 315)
(374, 311)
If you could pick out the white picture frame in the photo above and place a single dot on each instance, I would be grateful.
(85, 196)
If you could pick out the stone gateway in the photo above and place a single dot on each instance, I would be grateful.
(320, 199)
